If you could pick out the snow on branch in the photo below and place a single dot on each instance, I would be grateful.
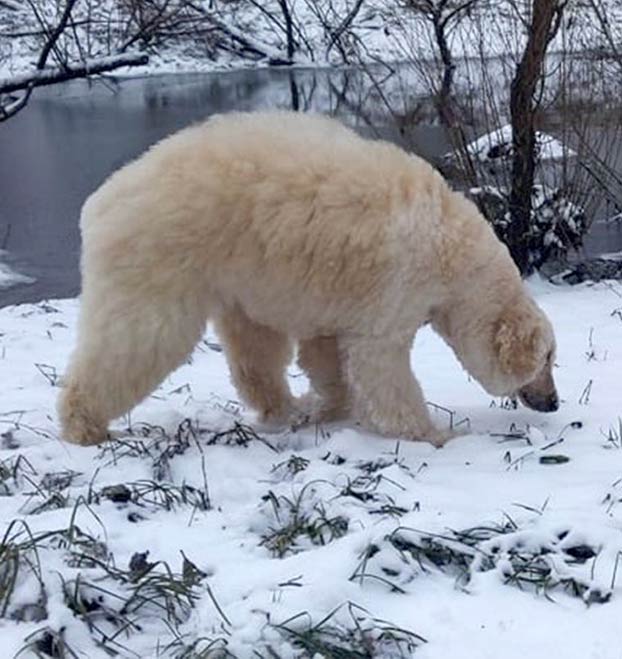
(53, 75)
(44, 75)
(9, 4)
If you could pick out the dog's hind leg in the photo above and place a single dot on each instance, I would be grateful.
(258, 357)
(128, 342)
(320, 359)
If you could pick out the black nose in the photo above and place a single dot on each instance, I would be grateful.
(546, 403)
(540, 403)
(553, 404)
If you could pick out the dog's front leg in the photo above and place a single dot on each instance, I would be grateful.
(385, 395)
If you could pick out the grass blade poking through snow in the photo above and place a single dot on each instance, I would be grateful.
(298, 520)
(356, 635)
(527, 558)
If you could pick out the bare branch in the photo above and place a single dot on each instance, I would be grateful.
(345, 24)
(260, 50)
(458, 10)
(289, 28)
(12, 108)
(147, 27)
(54, 36)
(603, 21)
(51, 76)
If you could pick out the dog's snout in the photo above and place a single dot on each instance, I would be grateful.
(540, 403)
(549, 404)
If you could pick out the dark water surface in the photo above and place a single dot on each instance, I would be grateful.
(70, 138)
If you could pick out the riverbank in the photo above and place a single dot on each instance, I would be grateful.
(71, 137)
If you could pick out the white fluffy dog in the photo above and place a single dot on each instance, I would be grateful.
(283, 227)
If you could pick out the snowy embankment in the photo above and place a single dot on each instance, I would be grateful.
(9, 277)
(505, 543)
(229, 35)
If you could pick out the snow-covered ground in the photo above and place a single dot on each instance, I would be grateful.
(264, 545)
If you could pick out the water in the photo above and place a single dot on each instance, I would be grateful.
(70, 138)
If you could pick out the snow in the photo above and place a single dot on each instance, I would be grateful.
(249, 20)
(497, 145)
(9, 277)
(382, 31)
(551, 482)
(54, 75)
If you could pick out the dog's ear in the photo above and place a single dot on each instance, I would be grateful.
(519, 342)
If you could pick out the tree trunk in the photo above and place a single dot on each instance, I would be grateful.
(289, 29)
(294, 92)
(522, 110)
(443, 100)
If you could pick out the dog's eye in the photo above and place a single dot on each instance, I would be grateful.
(549, 356)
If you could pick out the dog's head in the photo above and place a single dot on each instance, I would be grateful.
(510, 353)
(524, 344)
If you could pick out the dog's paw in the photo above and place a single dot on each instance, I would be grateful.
(312, 409)
(438, 437)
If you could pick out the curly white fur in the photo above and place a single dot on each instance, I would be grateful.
(282, 227)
